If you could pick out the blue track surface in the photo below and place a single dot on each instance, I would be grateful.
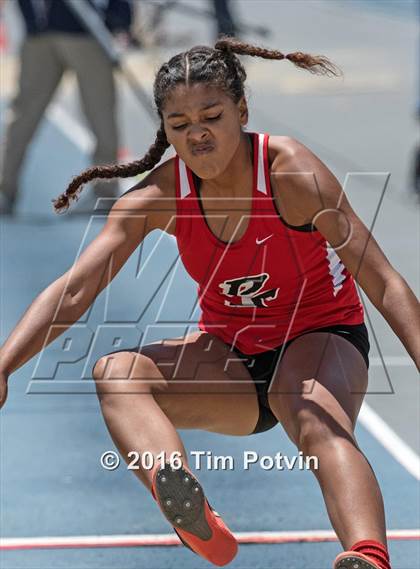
(52, 483)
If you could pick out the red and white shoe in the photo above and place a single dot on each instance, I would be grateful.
(354, 560)
(182, 501)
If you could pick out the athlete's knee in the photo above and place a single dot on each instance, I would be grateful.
(122, 365)
(127, 373)
(316, 429)
(310, 431)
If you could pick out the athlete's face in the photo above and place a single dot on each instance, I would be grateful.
(204, 126)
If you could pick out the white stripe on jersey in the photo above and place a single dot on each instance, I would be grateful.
(336, 269)
(261, 185)
(183, 180)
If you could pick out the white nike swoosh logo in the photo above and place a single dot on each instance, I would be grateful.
(259, 241)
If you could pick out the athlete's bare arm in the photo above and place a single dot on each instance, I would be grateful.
(306, 191)
(150, 205)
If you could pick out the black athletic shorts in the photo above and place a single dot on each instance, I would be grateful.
(261, 366)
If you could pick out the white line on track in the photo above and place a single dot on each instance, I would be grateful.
(144, 540)
(390, 440)
(394, 361)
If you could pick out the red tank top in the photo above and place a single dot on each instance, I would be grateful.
(272, 284)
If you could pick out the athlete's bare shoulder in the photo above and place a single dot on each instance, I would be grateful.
(279, 147)
(153, 196)
(297, 175)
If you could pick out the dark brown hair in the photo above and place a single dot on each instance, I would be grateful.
(215, 66)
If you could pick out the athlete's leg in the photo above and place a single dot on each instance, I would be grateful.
(40, 73)
(316, 394)
(95, 76)
(181, 383)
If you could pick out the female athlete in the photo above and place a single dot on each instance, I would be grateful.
(265, 229)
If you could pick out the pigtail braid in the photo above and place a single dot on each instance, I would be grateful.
(317, 64)
(148, 162)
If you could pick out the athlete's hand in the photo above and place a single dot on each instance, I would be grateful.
(3, 388)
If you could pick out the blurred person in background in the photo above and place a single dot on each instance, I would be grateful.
(151, 17)
(55, 42)
(224, 19)
(416, 155)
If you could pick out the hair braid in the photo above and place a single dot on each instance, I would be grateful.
(317, 64)
(149, 161)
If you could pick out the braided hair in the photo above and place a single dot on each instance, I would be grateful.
(215, 66)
